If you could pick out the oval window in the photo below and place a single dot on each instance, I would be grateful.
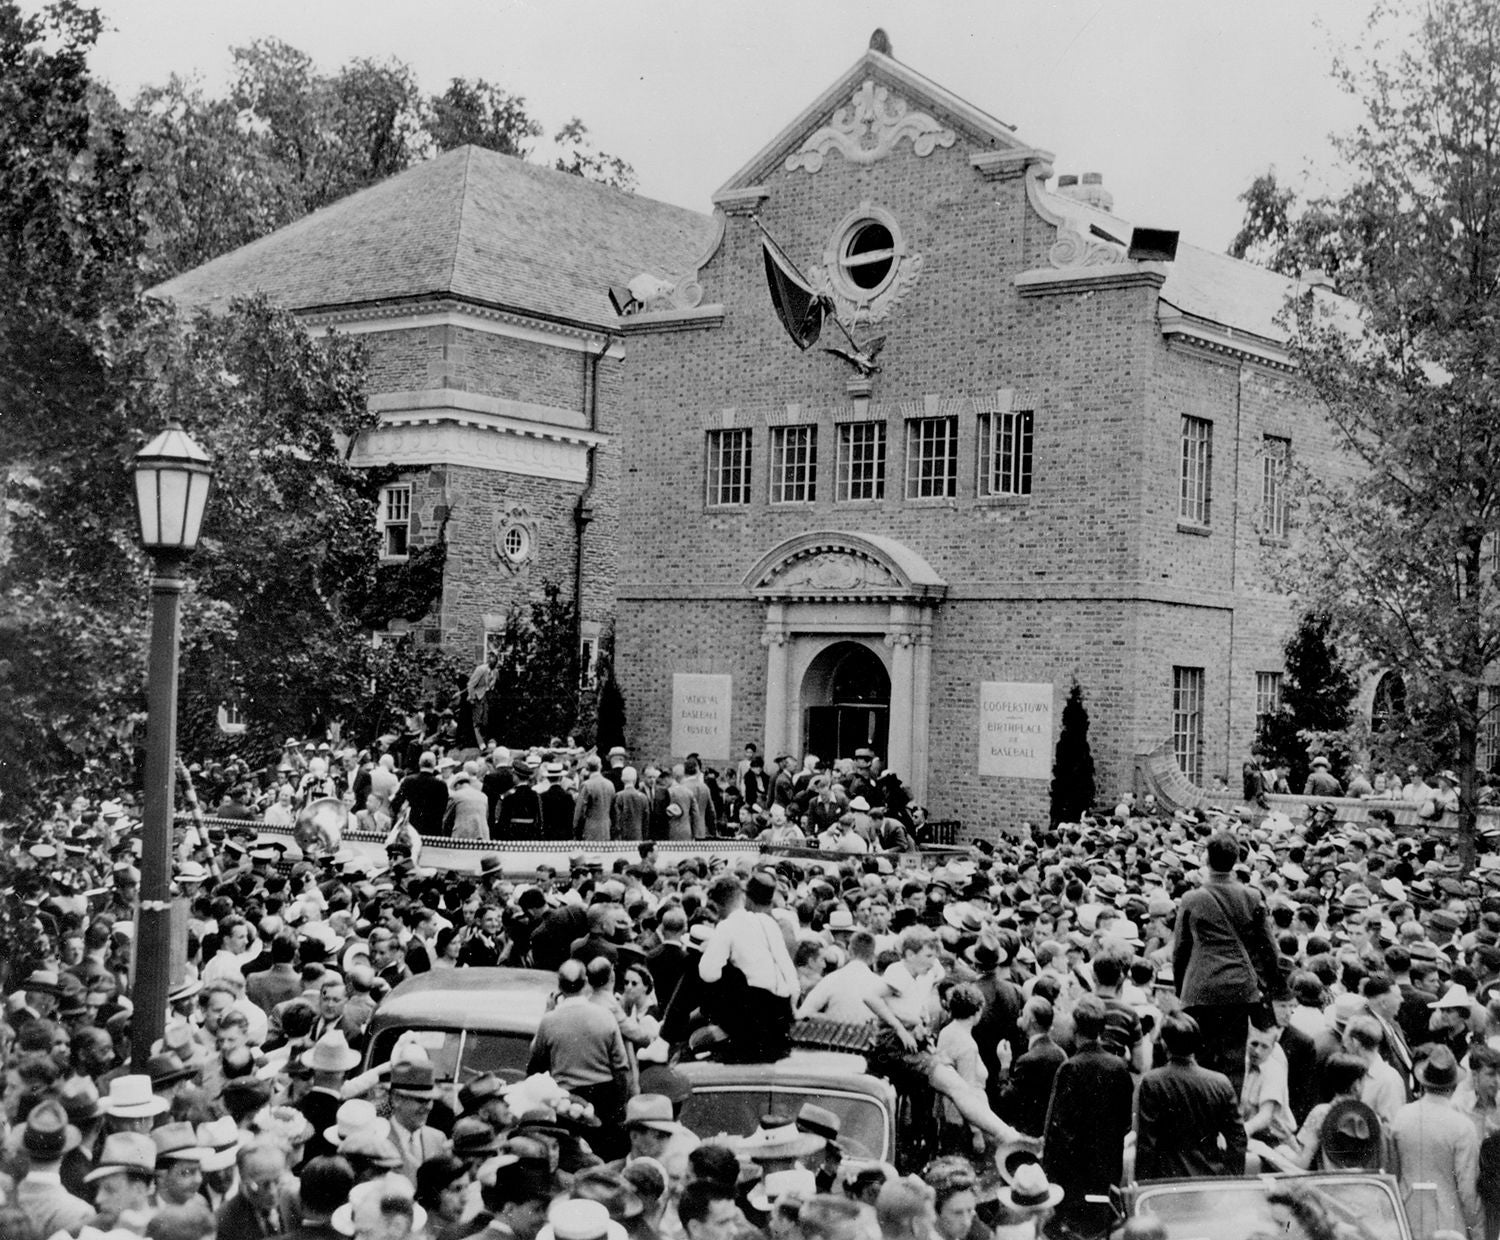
(868, 255)
(516, 543)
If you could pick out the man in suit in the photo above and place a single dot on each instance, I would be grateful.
(264, 1203)
(46, 1137)
(1301, 1060)
(557, 805)
(1383, 999)
(1027, 1088)
(1224, 960)
(1438, 1151)
(413, 1090)
(593, 811)
(1184, 1113)
(330, 1059)
(1090, 1113)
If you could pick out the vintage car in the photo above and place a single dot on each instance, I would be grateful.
(472, 1021)
(1361, 1205)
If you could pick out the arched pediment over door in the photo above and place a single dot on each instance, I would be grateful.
(826, 587)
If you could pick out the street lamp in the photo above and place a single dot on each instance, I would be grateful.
(172, 479)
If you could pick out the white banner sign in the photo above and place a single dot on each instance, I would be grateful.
(700, 715)
(1015, 730)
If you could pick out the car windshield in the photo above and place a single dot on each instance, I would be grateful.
(710, 1111)
(1358, 1208)
(461, 1055)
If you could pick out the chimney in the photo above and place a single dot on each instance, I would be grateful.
(1087, 189)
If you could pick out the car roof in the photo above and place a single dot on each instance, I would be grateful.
(504, 1000)
(805, 1070)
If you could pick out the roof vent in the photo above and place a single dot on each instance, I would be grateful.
(1087, 189)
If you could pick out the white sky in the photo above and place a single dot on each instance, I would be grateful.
(1178, 103)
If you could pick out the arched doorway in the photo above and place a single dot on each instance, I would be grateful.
(846, 702)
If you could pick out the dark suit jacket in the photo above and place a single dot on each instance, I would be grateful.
(1302, 1075)
(1090, 1113)
(1028, 1090)
(1223, 952)
(1182, 1111)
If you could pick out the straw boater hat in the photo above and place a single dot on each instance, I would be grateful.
(570, 1219)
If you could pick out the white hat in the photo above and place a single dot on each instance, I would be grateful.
(390, 1185)
(1454, 997)
(130, 1097)
(353, 1116)
(798, 1181)
(571, 1219)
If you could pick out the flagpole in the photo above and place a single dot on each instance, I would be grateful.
(837, 322)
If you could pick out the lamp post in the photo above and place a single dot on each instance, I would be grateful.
(172, 479)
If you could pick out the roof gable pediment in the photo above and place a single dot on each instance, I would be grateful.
(878, 106)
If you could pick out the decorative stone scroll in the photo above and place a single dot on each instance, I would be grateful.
(869, 128)
(515, 535)
(1076, 248)
(832, 573)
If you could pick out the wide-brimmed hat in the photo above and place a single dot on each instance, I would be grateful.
(220, 1140)
(778, 1137)
(356, 1115)
(651, 1111)
(1455, 996)
(490, 864)
(1012, 1156)
(80, 1099)
(576, 1219)
(331, 1053)
(1351, 1135)
(185, 991)
(473, 1138)
(385, 1186)
(124, 1151)
(178, 1142)
(413, 1079)
(792, 1182)
(1437, 1070)
(1029, 1189)
(47, 1135)
(130, 1097)
(166, 1070)
(964, 918)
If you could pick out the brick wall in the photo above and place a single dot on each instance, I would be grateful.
(1089, 576)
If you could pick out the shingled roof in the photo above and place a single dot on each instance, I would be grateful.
(472, 224)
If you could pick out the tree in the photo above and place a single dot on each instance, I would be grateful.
(1401, 550)
(536, 677)
(287, 579)
(472, 111)
(580, 159)
(1317, 693)
(609, 728)
(1073, 764)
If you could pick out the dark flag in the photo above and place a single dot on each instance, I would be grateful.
(800, 307)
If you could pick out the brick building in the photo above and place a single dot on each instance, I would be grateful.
(480, 284)
(1069, 463)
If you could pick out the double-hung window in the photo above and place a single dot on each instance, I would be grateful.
(1197, 470)
(395, 521)
(728, 471)
(931, 458)
(794, 464)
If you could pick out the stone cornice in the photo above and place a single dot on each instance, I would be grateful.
(1004, 165)
(432, 406)
(451, 312)
(1052, 282)
(698, 318)
(1185, 329)
(743, 201)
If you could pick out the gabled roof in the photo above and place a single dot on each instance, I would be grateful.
(978, 128)
(471, 224)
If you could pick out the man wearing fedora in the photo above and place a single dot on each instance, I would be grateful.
(46, 1138)
(122, 1182)
(330, 1058)
(413, 1090)
(1437, 1147)
(650, 1127)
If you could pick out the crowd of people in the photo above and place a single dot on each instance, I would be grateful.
(1136, 995)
